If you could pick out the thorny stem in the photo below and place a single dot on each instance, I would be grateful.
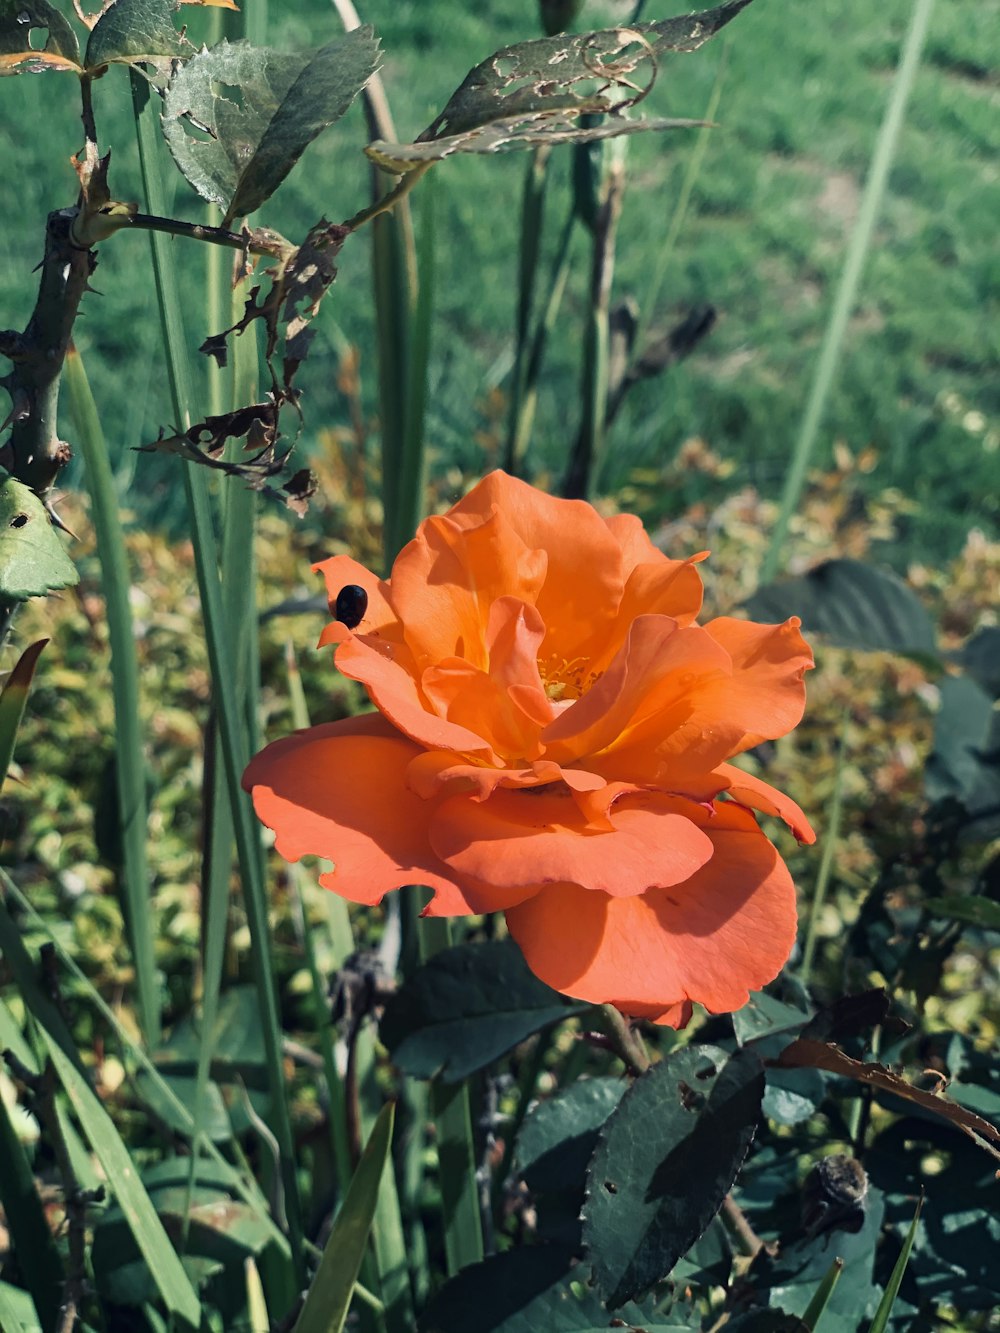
(75, 1199)
(254, 243)
(624, 1040)
(87, 109)
(750, 1243)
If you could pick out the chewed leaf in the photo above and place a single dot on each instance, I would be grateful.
(134, 32)
(238, 117)
(646, 1205)
(550, 127)
(32, 560)
(35, 36)
(533, 92)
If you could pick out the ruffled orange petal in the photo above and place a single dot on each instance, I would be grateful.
(655, 584)
(711, 940)
(445, 581)
(339, 791)
(379, 617)
(539, 836)
(393, 690)
(767, 695)
(760, 795)
(438, 772)
(651, 680)
(583, 582)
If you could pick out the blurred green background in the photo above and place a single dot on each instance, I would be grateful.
(804, 89)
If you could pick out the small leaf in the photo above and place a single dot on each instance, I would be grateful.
(968, 907)
(534, 92)
(133, 32)
(853, 605)
(329, 1298)
(665, 1161)
(238, 117)
(18, 20)
(466, 1007)
(13, 700)
(32, 559)
(763, 1014)
(980, 656)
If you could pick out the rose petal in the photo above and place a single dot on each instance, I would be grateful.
(539, 836)
(338, 572)
(583, 581)
(445, 582)
(393, 690)
(767, 695)
(339, 791)
(711, 940)
(760, 795)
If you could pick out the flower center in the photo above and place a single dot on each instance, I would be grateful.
(567, 679)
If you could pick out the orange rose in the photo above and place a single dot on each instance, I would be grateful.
(551, 741)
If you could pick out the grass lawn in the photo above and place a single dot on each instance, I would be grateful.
(805, 85)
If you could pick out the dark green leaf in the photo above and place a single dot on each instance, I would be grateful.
(980, 656)
(793, 1095)
(238, 117)
(558, 1137)
(767, 1321)
(466, 1007)
(967, 907)
(135, 32)
(709, 1261)
(763, 1014)
(523, 1291)
(534, 92)
(965, 762)
(665, 1161)
(18, 19)
(853, 605)
(32, 559)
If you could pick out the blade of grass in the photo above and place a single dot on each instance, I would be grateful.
(165, 1267)
(830, 841)
(546, 323)
(822, 1294)
(233, 740)
(130, 760)
(881, 1320)
(329, 1297)
(9, 1321)
(257, 1315)
(457, 1167)
(528, 256)
(850, 279)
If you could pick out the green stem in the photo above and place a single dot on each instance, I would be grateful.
(463, 1227)
(529, 253)
(223, 673)
(625, 1041)
(130, 762)
(850, 278)
(829, 851)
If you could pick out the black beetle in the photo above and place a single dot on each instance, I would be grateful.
(351, 605)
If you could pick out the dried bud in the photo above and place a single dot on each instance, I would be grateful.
(834, 1195)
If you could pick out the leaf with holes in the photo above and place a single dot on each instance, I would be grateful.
(134, 32)
(664, 1163)
(32, 560)
(35, 37)
(534, 92)
(853, 605)
(238, 117)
